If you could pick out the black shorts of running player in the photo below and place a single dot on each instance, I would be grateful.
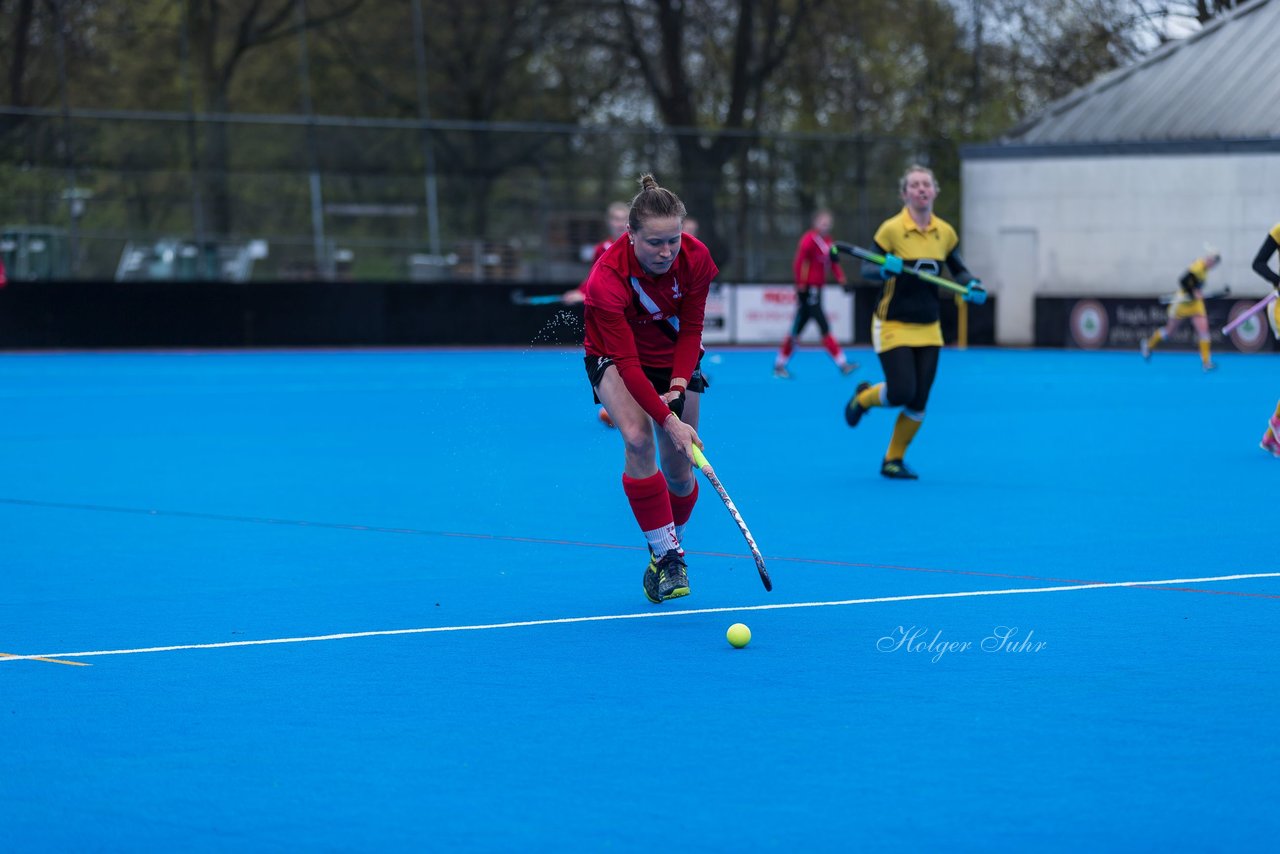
(660, 377)
(908, 375)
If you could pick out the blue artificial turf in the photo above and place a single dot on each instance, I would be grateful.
(155, 499)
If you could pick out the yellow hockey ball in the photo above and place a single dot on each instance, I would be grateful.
(738, 635)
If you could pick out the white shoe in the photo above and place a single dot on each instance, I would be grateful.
(1145, 348)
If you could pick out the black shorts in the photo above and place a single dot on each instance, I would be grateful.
(809, 307)
(660, 377)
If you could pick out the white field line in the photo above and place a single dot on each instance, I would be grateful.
(1015, 591)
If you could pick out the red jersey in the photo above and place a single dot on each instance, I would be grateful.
(637, 320)
(812, 265)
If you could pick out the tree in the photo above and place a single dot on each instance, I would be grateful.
(43, 43)
(18, 46)
(1040, 50)
(753, 110)
(505, 61)
(1206, 10)
(1164, 13)
(706, 65)
(223, 34)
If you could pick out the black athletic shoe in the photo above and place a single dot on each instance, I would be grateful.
(853, 411)
(651, 580)
(897, 470)
(673, 578)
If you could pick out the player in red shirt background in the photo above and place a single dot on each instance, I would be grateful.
(616, 219)
(644, 306)
(812, 268)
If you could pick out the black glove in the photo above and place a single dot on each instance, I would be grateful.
(676, 405)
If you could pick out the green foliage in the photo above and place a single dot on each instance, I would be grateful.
(548, 109)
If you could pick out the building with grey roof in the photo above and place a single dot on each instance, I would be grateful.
(1116, 188)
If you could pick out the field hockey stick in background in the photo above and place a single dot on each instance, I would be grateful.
(519, 298)
(701, 462)
(1170, 299)
(1250, 312)
(977, 295)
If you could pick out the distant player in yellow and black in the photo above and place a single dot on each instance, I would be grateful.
(906, 331)
(1262, 266)
(1188, 303)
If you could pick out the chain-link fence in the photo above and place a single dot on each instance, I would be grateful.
(255, 198)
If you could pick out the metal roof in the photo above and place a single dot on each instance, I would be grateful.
(1222, 83)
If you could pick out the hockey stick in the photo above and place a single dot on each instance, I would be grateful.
(1250, 312)
(979, 295)
(519, 298)
(701, 462)
(1180, 297)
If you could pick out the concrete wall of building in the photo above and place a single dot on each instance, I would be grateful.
(1111, 225)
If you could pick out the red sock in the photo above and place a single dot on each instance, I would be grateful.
(784, 352)
(651, 504)
(682, 505)
(833, 346)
